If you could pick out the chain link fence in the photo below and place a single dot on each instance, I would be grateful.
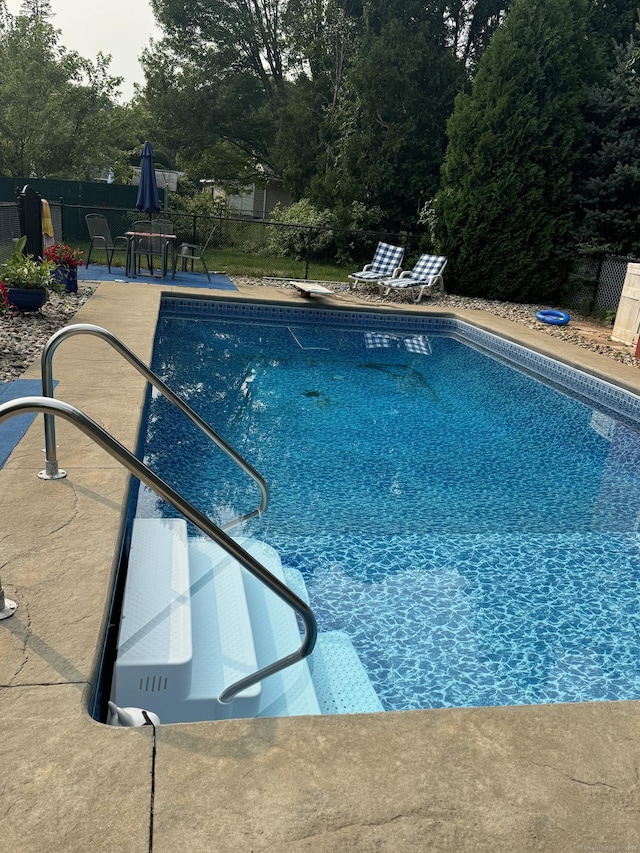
(241, 246)
(10, 231)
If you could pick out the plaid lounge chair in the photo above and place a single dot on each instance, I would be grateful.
(385, 264)
(425, 276)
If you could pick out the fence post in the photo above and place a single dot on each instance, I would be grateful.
(306, 264)
(30, 214)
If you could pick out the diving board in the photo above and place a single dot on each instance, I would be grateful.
(311, 288)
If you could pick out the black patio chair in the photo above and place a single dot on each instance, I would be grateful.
(101, 238)
(190, 252)
(152, 237)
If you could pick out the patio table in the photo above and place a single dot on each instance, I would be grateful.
(130, 263)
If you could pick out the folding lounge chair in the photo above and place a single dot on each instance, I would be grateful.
(385, 264)
(425, 276)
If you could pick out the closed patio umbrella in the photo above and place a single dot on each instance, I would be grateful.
(148, 198)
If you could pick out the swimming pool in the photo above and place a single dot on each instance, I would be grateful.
(472, 530)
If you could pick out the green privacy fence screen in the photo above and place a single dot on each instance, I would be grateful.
(93, 193)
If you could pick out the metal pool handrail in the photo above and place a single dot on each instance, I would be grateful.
(52, 472)
(113, 447)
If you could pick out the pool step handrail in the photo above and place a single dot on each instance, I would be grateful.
(58, 408)
(53, 472)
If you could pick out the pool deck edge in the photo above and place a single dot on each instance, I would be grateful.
(544, 778)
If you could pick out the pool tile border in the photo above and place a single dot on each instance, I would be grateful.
(565, 378)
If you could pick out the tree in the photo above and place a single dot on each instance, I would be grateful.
(613, 21)
(215, 80)
(201, 110)
(346, 100)
(471, 25)
(33, 9)
(55, 106)
(323, 39)
(241, 34)
(388, 139)
(505, 209)
(257, 76)
(610, 194)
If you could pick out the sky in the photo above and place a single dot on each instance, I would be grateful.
(121, 28)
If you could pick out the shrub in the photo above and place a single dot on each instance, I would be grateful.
(314, 233)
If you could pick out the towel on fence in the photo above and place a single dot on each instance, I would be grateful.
(48, 237)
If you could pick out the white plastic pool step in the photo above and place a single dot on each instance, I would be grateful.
(341, 682)
(154, 656)
(223, 645)
(185, 631)
(194, 622)
(288, 693)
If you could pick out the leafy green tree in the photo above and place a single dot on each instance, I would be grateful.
(36, 9)
(610, 194)
(209, 115)
(260, 78)
(323, 38)
(506, 207)
(128, 129)
(236, 34)
(390, 127)
(56, 108)
(346, 100)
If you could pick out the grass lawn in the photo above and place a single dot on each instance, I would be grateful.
(235, 262)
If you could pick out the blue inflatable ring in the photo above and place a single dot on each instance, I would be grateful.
(556, 318)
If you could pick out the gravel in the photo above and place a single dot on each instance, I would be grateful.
(23, 335)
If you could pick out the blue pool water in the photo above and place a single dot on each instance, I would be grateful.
(472, 529)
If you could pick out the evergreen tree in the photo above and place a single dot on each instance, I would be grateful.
(613, 21)
(611, 190)
(505, 207)
(389, 135)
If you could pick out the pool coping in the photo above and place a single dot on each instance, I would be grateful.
(555, 777)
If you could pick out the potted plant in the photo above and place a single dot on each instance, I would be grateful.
(26, 280)
(67, 261)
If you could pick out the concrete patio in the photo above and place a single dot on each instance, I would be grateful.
(531, 778)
